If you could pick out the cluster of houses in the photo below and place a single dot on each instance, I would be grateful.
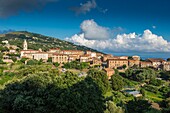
(109, 62)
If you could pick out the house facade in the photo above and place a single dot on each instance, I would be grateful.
(60, 58)
(117, 63)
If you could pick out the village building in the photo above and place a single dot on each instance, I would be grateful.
(123, 57)
(166, 66)
(92, 54)
(7, 60)
(11, 46)
(5, 42)
(99, 55)
(40, 55)
(105, 57)
(73, 57)
(72, 52)
(31, 54)
(109, 72)
(60, 58)
(28, 53)
(156, 62)
(88, 52)
(117, 63)
(144, 64)
(12, 51)
(95, 61)
(84, 58)
(6, 57)
(134, 63)
(136, 57)
(54, 50)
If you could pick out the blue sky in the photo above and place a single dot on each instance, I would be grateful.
(56, 19)
(148, 19)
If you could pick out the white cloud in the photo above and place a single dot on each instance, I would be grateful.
(147, 42)
(93, 31)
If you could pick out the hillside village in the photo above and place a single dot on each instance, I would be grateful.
(107, 62)
(123, 78)
(84, 56)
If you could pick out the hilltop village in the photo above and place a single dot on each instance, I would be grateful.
(107, 62)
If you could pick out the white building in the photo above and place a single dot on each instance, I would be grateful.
(5, 42)
(40, 55)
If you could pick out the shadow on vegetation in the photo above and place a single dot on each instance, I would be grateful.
(42, 94)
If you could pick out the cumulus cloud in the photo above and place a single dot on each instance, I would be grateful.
(132, 42)
(12, 7)
(86, 7)
(93, 31)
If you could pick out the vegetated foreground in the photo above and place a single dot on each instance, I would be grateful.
(42, 88)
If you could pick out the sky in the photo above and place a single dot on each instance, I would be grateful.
(105, 25)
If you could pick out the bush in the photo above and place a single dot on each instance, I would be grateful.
(76, 65)
(156, 82)
(151, 88)
(32, 62)
(56, 64)
(1, 61)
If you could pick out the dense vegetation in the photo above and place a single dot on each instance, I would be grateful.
(76, 65)
(38, 87)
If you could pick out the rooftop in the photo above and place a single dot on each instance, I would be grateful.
(156, 59)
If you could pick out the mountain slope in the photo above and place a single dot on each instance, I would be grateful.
(36, 41)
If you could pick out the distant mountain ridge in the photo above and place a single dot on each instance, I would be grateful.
(36, 41)
(6, 31)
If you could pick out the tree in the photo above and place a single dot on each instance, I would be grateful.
(117, 82)
(100, 79)
(124, 66)
(23, 60)
(112, 108)
(156, 82)
(142, 91)
(40, 61)
(1, 61)
(14, 59)
(1, 55)
(49, 59)
(166, 108)
(165, 75)
(3, 49)
(56, 64)
(130, 58)
(141, 74)
(168, 59)
(138, 106)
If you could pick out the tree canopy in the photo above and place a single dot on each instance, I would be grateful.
(41, 93)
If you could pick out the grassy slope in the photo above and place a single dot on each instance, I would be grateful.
(37, 41)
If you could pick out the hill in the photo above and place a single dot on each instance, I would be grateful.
(36, 41)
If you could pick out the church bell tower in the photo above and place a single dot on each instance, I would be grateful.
(25, 45)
